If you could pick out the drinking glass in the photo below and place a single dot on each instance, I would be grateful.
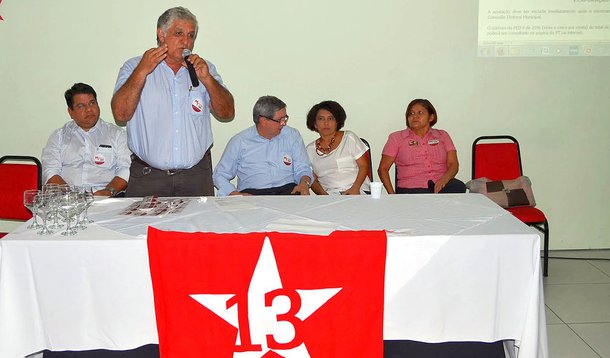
(54, 193)
(29, 200)
(43, 207)
(89, 198)
(64, 188)
(50, 187)
(80, 206)
(67, 210)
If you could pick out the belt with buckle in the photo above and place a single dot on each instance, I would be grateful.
(135, 158)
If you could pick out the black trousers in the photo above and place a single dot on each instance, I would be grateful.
(145, 180)
(453, 186)
(392, 349)
(279, 190)
(147, 351)
(413, 349)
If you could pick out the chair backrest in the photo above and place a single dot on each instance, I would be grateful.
(15, 178)
(496, 158)
(368, 157)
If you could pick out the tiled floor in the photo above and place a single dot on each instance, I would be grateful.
(577, 298)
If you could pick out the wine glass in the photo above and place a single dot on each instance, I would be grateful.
(29, 200)
(43, 207)
(80, 207)
(87, 192)
(67, 210)
(54, 192)
(50, 187)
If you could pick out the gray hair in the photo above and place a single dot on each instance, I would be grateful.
(176, 13)
(266, 106)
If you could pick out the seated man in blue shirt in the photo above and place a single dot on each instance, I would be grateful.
(268, 158)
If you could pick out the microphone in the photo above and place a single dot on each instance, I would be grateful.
(194, 80)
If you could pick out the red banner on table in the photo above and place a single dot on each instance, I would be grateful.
(268, 294)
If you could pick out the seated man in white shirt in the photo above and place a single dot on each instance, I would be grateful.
(268, 158)
(87, 151)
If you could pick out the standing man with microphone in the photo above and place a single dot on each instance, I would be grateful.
(165, 97)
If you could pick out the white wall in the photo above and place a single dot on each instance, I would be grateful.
(372, 57)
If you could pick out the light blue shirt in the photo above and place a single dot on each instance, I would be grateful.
(261, 163)
(171, 127)
(90, 158)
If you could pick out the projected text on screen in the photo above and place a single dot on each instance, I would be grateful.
(522, 28)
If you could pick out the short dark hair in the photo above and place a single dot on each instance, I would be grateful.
(78, 88)
(427, 105)
(266, 106)
(333, 107)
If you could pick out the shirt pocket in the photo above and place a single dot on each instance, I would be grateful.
(197, 102)
(103, 157)
(345, 163)
(438, 153)
(286, 164)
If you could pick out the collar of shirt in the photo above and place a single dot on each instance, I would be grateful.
(409, 134)
(73, 127)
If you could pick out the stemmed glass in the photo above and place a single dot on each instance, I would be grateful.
(44, 207)
(80, 207)
(29, 201)
(87, 193)
(54, 191)
(67, 210)
(50, 187)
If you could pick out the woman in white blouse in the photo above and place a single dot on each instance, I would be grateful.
(337, 157)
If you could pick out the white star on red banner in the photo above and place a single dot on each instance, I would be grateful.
(268, 319)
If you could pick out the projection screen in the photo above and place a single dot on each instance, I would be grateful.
(526, 28)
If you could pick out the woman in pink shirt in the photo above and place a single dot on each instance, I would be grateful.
(426, 159)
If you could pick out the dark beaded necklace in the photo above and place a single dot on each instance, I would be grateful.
(323, 151)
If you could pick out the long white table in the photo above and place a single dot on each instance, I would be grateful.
(458, 268)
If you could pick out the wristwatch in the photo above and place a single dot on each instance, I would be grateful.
(111, 190)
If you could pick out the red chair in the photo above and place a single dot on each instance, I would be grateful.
(17, 174)
(367, 155)
(499, 158)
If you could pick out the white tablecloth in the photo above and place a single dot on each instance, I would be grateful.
(458, 268)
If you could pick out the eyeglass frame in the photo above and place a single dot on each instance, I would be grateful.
(279, 121)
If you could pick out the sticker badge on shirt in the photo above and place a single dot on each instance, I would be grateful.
(433, 142)
(99, 159)
(287, 159)
(103, 156)
(197, 105)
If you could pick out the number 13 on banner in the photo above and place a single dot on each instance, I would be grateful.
(287, 319)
